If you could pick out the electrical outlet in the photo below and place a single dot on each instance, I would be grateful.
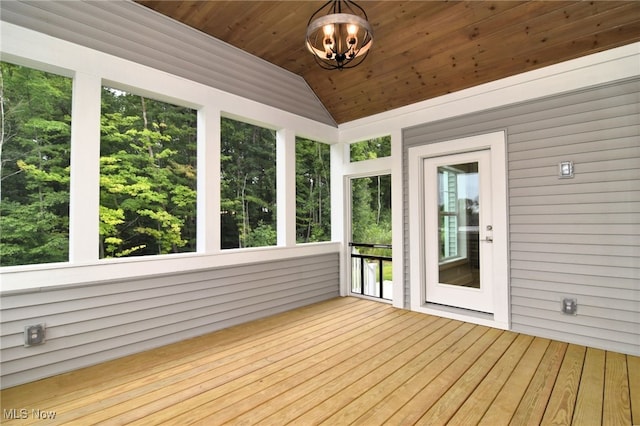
(34, 335)
(570, 306)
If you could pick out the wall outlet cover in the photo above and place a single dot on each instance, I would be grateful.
(34, 335)
(570, 306)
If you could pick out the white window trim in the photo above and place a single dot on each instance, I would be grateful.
(358, 169)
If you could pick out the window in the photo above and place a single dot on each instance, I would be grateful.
(147, 176)
(448, 221)
(248, 185)
(370, 149)
(313, 197)
(458, 209)
(34, 161)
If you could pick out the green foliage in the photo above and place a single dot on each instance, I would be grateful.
(313, 195)
(34, 166)
(248, 185)
(371, 213)
(370, 149)
(262, 235)
(147, 176)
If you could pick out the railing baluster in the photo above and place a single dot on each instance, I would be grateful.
(380, 261)
(362, 275)
(381, 276)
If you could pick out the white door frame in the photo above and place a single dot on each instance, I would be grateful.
(496, 142)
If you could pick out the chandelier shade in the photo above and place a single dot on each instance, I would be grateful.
(339, 35)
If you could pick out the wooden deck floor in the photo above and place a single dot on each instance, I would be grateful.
(347, 361)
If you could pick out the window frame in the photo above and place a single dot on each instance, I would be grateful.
(460, 243)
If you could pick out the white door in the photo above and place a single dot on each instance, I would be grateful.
(458, 230)
(458, 236)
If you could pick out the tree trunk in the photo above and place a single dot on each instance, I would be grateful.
(146, 125)
(245, 213)
(2, 130)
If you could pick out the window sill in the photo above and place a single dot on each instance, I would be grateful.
(30, 278)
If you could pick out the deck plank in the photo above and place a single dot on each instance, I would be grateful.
(316, 406)
(445, 351)
(534, 402)
(266, 385)
(507, 401)
(483, 396)
(590, 393)
(616, 405)
(185, 393)
(423, 389)
(633, 368)
(274, 395)
(347, 361)
(562, 401)
(448, 404)
(287, 395)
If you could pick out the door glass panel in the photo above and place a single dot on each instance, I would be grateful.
(458, 214)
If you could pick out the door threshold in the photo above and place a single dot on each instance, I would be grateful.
(372, 298)
(466, 315)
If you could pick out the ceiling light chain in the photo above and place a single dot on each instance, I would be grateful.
(339, 39)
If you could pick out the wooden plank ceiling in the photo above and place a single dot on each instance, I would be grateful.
(421, 49)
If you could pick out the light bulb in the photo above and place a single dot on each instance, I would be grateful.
(352, 29)
(328, 30)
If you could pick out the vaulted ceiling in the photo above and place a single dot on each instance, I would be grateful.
(421, 49)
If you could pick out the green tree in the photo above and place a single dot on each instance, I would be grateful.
(147, 176)
(35, 113)
(248, 185)
(313, 205)
(371, 198)
(371, 212)
(370, 149)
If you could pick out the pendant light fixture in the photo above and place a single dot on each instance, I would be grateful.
(339, 35)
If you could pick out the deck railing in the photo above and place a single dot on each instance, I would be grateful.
(368, 271)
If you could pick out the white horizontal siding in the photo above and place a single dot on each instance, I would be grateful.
(94, 323)
(550, 249)
(623, 207)
(576, 237)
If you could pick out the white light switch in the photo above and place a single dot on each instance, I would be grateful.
(565, 169)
